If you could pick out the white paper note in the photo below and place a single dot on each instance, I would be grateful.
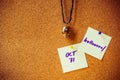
(72, 57)
(95, 43)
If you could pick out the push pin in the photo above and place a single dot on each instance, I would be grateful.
(71, 47)
(99, 33)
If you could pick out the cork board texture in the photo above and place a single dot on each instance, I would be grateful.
(30, 33)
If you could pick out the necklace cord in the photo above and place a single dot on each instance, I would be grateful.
(71, 10)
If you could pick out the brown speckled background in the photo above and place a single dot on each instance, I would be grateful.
(30, 33)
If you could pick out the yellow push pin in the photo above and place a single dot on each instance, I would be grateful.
(71, 47)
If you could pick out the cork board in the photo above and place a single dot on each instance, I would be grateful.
(30, 33)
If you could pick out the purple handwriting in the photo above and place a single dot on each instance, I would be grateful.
(93, 44)
(71, 55)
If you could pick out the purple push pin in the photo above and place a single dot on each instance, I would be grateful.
(99, 33)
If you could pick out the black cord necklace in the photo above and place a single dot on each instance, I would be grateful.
(66, 30)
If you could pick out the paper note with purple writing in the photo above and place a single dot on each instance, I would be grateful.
(95, 43)
(72, 59)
